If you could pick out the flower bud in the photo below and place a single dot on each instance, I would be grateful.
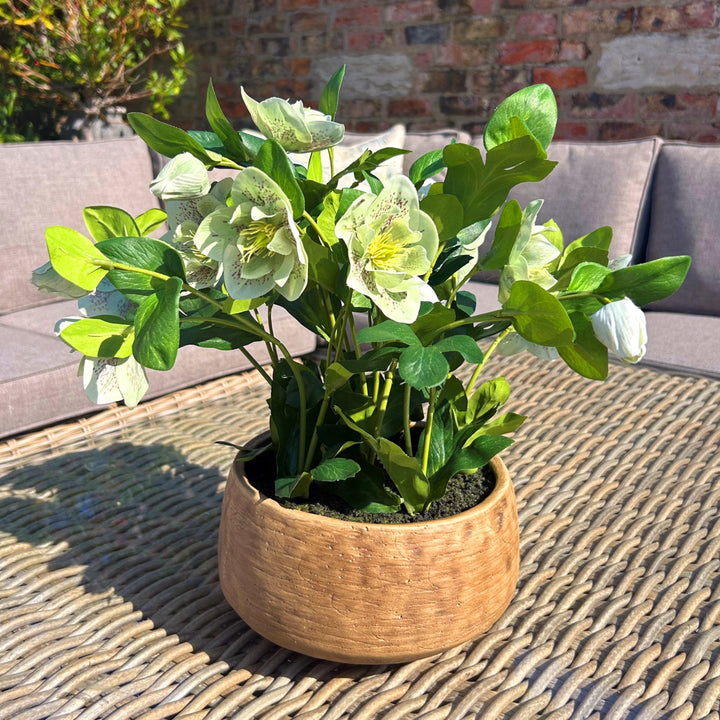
(621, 327)
(183, 178)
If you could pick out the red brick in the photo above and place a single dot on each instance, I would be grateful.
(308, 21)
(293, 89)
(560, 78)
(368, 39)
(409, 107)
(583, 22)
(238, 25)
(483, 7)
(477, 29)
(300, 66)
(571, 131)
(410, 12)
(362, 16)
(596, 105)
(500, 80)
(297, 4)
(462, 55)
(573, 50)
(698, 107)
(627, 131)
(260, 25)
(447, 81)
(533, 24)
(695, 132)
(423, 59)
(681, 17)
(532, 51)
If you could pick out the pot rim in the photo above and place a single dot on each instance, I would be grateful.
(503, 483)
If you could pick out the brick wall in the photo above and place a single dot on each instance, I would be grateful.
(620, 69)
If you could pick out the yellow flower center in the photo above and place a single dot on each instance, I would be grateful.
(255, 238)
(387, 249)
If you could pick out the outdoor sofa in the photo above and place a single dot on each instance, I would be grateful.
(659, 197)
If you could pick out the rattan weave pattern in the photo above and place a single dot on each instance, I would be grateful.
(110, 607)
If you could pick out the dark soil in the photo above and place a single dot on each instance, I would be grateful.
(463, 492)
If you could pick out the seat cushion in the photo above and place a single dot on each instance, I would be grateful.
(597, 184)
(682, 342)
(50, 183)
(38, 372)
(685, 220)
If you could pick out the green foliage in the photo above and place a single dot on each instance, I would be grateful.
(386, 416)
(83, 56)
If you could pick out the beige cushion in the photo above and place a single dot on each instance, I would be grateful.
(38, 372)
(685, 220)
(50, 183)
(597, 184)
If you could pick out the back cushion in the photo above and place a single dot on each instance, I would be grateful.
(50, 183)
(685, 220)
(597, 184)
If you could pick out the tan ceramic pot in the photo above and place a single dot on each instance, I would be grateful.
(367, 593)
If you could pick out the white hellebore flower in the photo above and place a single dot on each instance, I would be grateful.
(295, 127)
(391, 242)
(621, 327)
(183, 178)
(256, 240)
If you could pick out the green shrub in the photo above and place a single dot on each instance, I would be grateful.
(84, 56)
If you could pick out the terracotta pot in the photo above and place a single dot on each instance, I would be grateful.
(367, 593)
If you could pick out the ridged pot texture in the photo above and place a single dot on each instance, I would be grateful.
(367, 593)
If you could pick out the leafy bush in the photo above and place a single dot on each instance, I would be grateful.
(70, 56)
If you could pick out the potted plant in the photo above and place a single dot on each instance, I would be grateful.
(391, 420)
(83, 61)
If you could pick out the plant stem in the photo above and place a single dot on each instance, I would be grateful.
(382, 407)
(428, 429)
(488, 353)
(316, 227)
(406, 420)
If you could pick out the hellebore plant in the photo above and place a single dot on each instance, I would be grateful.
(380, 276)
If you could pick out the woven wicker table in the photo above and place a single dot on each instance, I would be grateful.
(110, 606)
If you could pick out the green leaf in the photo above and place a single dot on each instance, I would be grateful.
(587, 277)
(442, 437)
(331, 92)
(75, 258)
(446, 212)
(536, 109)
(592, 247)
(292, 487)
(388, 331)
(273, 161)
(102, 336)
(644, 283)
(506, 232)
(404, 470)
(426, 166)
(482, 187)
(322, 268)
(336, 376)
(367, 491)
(467, 460)
(144, 253)
(462, 344)
(506, 423)
(150, 220)
(157, 329)
(335, 469)
(537, 315)
(105, 222)
(167, 139)
(225, 131)
(423, 367)
(429, 325)
(587, 356)
(485, 401)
